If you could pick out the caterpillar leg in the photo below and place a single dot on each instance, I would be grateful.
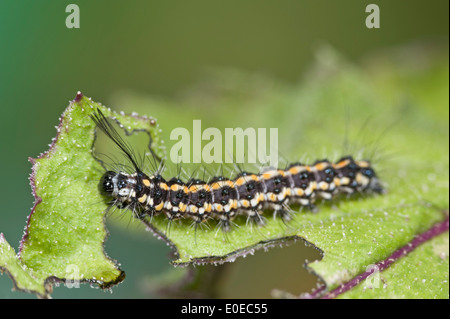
(225, 225)
(255, 217)
(198, 223)
(283, 213)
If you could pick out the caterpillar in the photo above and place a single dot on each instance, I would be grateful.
(221, 198)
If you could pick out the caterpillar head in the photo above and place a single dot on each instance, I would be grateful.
(117, 185)
(106, 185)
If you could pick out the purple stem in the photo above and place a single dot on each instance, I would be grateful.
(434, 231)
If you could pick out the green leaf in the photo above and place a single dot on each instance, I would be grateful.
(387, 112)
(21, 276)
(423, 273)
(65, 234)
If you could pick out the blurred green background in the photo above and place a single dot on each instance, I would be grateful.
(162, 48)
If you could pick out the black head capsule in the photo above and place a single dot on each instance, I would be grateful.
(106, 185)
(119, 186)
